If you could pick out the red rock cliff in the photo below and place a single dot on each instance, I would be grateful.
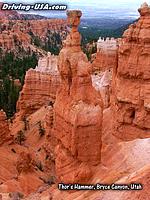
(4, 128)
(40, 85)
(132, 80)
(15, 33)
(9, 39)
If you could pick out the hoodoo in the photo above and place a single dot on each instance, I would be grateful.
(77, 111)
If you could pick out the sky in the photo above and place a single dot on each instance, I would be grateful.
(95, 3)
(93, 8)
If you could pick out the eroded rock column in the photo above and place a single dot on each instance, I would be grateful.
(131, 82)
(77, 112)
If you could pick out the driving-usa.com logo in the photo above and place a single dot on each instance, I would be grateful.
(36, 6)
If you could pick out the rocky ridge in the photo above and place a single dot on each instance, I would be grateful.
(29, 34)
(40, 85)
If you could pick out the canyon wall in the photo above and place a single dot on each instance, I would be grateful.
(9, 39)
(131, 82)
(106, 56)
(77, 112)
(14, 31)
(40, 85)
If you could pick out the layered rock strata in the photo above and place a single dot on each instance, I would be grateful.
(106, 56)
(131, 83)
(4, 128)
(24, 163)
(77, 112)
(15, 33)
(10, 39)
(40, 85)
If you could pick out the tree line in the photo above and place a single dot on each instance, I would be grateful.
(11, 68)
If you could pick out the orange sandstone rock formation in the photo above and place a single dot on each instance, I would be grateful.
(121, 163)
(40, 28)
(9, 39)
(40, 85)
(131, 84)
(24, 163)
(4, 128)
(22, 167)
(77, 112)
(16, 33)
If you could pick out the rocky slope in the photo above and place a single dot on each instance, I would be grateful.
(15, 34)
(121, 162)
(4, 127)
(26, 158)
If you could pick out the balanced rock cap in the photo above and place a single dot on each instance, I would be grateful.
(74, 13)
(144, 10)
